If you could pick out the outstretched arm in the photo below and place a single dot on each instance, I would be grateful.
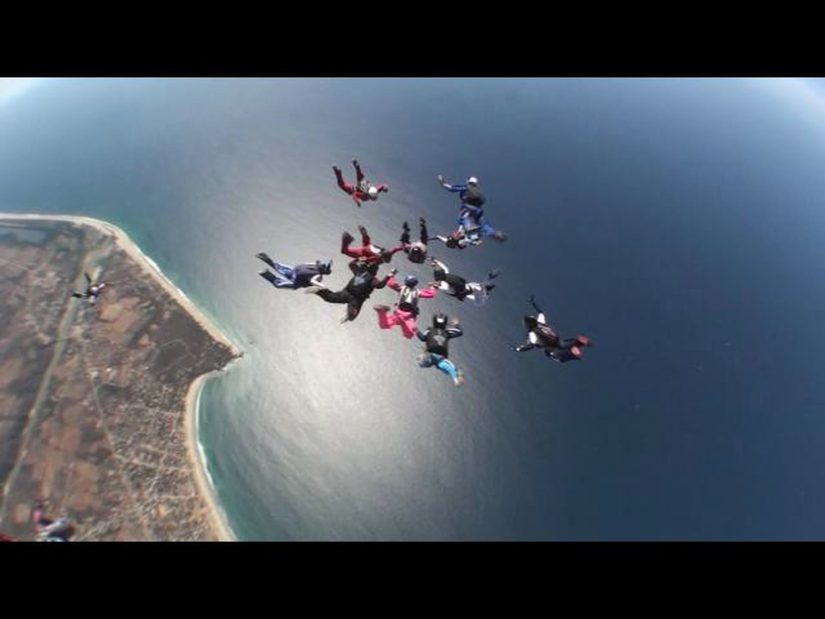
(533, 303)
(448, 187)
(523, 347)
(436, 262)
(392, 283)
(421, 336)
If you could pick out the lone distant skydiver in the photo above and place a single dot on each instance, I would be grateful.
(363, 189)
(541, 335)
(92, 290)
(416, 251)
(358, 289)
(300, 276)
(436, 348)
(458, 287)
(406, 310)
(468, 193)
(49, 530)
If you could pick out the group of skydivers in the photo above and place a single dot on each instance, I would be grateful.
(473, 228)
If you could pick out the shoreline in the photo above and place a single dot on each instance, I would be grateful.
(217, 517)
(122, 240)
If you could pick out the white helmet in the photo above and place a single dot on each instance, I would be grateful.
(472, 181)
(373, 192)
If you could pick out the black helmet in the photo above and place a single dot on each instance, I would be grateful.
(529, 322)
(440, 321)
(411, 281)
(324, 268)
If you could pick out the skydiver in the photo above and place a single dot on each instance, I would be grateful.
(358, 289)
(366, 255)
(541, 335)
(406, 308)
(416, 251)
(456, 286)
(461, 238)
(50, 530)
(92, 290)
(363, 189)
(300, 276)
(436, 347)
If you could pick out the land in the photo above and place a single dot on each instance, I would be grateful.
(97, 402)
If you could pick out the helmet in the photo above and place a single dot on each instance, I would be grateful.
(529, 322)
(386, 255)
(440, 321)
(472, 181)
(324, 268)
(411, 281)
(373, 192)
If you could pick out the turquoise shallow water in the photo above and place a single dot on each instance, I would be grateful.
(677, 222)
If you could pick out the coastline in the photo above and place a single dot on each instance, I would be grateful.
(217, 517)
(215, 514)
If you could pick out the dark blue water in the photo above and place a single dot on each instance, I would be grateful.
(676, 222)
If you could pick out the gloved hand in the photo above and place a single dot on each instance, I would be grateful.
(440, 179)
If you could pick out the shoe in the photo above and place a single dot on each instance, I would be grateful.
(362, 229)
(347, 237)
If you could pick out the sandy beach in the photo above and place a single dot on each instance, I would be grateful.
(216, 516)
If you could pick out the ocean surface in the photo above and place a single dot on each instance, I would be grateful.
(678, 223)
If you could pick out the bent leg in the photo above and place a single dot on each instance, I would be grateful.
(408, 326)
(284, 270)
(446, 366)
(340, 296)
(354, 308)
(386, 320)
(344, 185)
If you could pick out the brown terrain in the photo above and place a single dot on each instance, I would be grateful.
(93, 397)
